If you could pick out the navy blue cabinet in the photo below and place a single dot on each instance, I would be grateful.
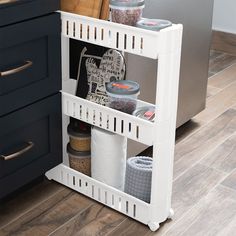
(30, 143)
(19, 10)
(30, 66)
(30, 102)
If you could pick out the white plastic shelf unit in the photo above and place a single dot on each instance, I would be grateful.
(165, 46)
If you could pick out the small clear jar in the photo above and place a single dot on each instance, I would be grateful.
(145, 113)
(127, 12)
(123, 95)
(79, 141)
(80, 161)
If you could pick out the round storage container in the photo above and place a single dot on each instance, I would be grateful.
(80, 126)
(79, 141)
(153, 24)
(127, 12)
(80, 161)
(146, 113)
(122, 95)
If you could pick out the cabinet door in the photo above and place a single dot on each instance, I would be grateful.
(30, 142)
(19, 10)
(30, 64)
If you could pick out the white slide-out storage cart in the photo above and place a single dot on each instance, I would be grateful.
(163, 46)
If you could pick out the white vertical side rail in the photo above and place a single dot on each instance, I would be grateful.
(165, 125)
(65, 60)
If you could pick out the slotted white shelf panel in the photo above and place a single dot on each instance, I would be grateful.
(100, 192)
(109, 119)
(117, 36)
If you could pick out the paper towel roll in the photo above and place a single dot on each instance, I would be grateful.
(108, 157)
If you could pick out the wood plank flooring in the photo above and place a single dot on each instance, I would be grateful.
(204, 187)
(220, 61)
(224, 41)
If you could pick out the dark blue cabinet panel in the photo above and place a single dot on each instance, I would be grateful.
(30, 62)
(20, 10)
(38, 128)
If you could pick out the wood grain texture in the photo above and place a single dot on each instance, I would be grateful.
(230, 181)
(223, 78)
(192, 186)
(223, 158)
(214, 54)
(224, 41)
(47, 216)
(221, 62)
(94, 220)
(211, 91)
(229, 230)
(129, 228)
(218, 104)
(90, 8)
(12, 208)
(212, 215)
(105, 10)
(202, 142)
(187, 129)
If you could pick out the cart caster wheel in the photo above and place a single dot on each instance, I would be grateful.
(171, 214)
(153, 226)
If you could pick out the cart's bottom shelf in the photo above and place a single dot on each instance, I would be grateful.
(104, 194)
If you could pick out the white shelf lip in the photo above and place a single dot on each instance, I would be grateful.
(109, 119)
(105, 194)
(126, 38)
(108, 23)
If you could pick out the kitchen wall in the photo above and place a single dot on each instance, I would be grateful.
(224, 18)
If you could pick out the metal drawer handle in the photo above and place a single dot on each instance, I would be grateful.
(7, 1)
(19, 153)
(16, 70)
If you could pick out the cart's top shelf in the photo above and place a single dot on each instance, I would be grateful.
(121, 37)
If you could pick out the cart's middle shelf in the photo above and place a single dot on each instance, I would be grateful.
(109, 119)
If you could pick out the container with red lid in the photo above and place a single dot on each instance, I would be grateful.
(123, 95)
(153, 24)
(145, 113)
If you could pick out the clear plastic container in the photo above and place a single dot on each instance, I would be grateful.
(80, 161)
(123, 95)
(153, 24)
(127, 12)
(79, 141)
(146, 113)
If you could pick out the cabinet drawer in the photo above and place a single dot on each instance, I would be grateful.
(29, 62)
(31, 135)
(12, 11)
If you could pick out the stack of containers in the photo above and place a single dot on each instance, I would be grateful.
(79, 147)
(129, 12)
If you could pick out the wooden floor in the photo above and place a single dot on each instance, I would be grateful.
(204, 188)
